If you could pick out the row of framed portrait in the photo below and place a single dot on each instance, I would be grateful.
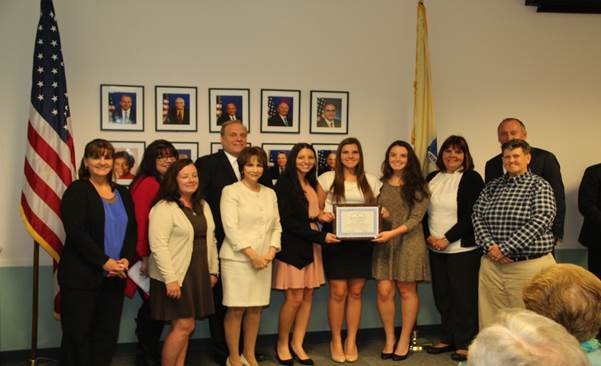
(128, 155)
(176, 109)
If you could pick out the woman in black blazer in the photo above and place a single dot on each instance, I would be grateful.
(100, 228)
(298, 267)
(454, 257)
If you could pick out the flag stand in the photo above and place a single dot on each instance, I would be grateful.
(33, 358)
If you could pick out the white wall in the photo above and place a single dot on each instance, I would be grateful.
(490, 59)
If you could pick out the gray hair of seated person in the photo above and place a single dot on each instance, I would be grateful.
(524, 338)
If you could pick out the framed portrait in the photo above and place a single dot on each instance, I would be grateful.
(121, 107)
(127, 158)
(326, 157)
(277, 157)
(228, 104)
(329, 112)
(280, 111)
(216, 146)
(187, 150)
(176, 108)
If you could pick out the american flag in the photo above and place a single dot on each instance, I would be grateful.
(321, 103)
(165, 106)
(49, 156)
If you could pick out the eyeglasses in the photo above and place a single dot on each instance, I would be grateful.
(164, 159)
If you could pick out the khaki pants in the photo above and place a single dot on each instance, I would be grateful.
(500, 285)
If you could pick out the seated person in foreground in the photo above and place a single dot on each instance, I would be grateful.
(571, 296)
(524, 338)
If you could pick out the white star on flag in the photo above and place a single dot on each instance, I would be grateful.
(54, 98)
(55, 112)
(54, 71)
(40, 84)
(40, 56)
(54, 84)
(40, 97)
(54, 57)
(54, 43)
(40, 69)
(40, 41)
(53, 28)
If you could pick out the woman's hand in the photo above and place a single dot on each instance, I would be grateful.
(331, 239)
(326, 217)
(385, 213)
(115, 268)
(259, 261)
(438, 243)
(383, 237)
(173, 290)
(270, 254)
(214, 280)
(144, 266)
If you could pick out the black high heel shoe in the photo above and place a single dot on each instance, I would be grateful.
(288, 362)
(385, 355)
(396, 357)
(306, 361)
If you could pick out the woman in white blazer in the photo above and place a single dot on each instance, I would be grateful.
(183, 266)
(249, 212)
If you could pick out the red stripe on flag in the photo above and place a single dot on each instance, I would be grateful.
(47, 153)
(40, 227)
(42, 190)
(72, 149)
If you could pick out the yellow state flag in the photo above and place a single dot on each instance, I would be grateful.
(423, 134)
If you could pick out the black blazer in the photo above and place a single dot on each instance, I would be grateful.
(543, 164)
(277, 120)
(172, 117)
(297, 235)
(83, 218)
(224, 118)
(214, 173)
(589, 204)
(469, 189)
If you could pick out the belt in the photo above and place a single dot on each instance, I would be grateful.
(528, 257)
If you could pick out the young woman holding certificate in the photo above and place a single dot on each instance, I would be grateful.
(347, 264)
(400, 260)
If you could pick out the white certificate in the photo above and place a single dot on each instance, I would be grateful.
(357, 222)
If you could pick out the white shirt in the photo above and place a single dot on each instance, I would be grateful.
(352, 192)
(442, 211)
(234, 162)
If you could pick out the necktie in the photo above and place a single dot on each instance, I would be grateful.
(126, 116)
(232, 118)
(180, 115)
(285, 121)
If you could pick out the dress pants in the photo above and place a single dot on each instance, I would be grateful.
(500, 285)
(220, 351)
(90, 320)
(594, 260)
(455, 288)
(148, 332)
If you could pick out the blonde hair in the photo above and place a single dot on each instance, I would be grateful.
(568, 294)
(524, 338)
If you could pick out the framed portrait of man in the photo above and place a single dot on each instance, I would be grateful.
(277, 157)
(121, 107)
(326, 157)
(280, 111)
(176, 108)
(228, 104)
(187, 150)
(329, 112)
(127, 158)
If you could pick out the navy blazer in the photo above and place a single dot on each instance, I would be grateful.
(589, 204)
(469, 189)
(83, 255)
(214, 173)
(297, 235)
(544, 164)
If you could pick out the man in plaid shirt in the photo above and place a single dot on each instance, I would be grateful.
(512, 219)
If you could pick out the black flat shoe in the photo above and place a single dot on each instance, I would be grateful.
(385, 356)
(458, 356)
(438, 350)
(288, 362)
(306, 361)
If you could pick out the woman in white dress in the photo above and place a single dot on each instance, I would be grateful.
(249, 212)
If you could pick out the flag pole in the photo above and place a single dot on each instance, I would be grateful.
(34, 306)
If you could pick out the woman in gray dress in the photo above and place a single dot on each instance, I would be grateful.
(400, 261)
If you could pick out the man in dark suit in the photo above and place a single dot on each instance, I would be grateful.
(215, 171)
(281, 119)
(179, 115)
(328, 119)
(125, 114)
(280, 165)
(543, 163)
(229, 115)
(589, 204)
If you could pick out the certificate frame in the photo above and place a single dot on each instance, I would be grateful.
(371, 213)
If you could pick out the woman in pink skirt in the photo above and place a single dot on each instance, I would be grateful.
(298, 267)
